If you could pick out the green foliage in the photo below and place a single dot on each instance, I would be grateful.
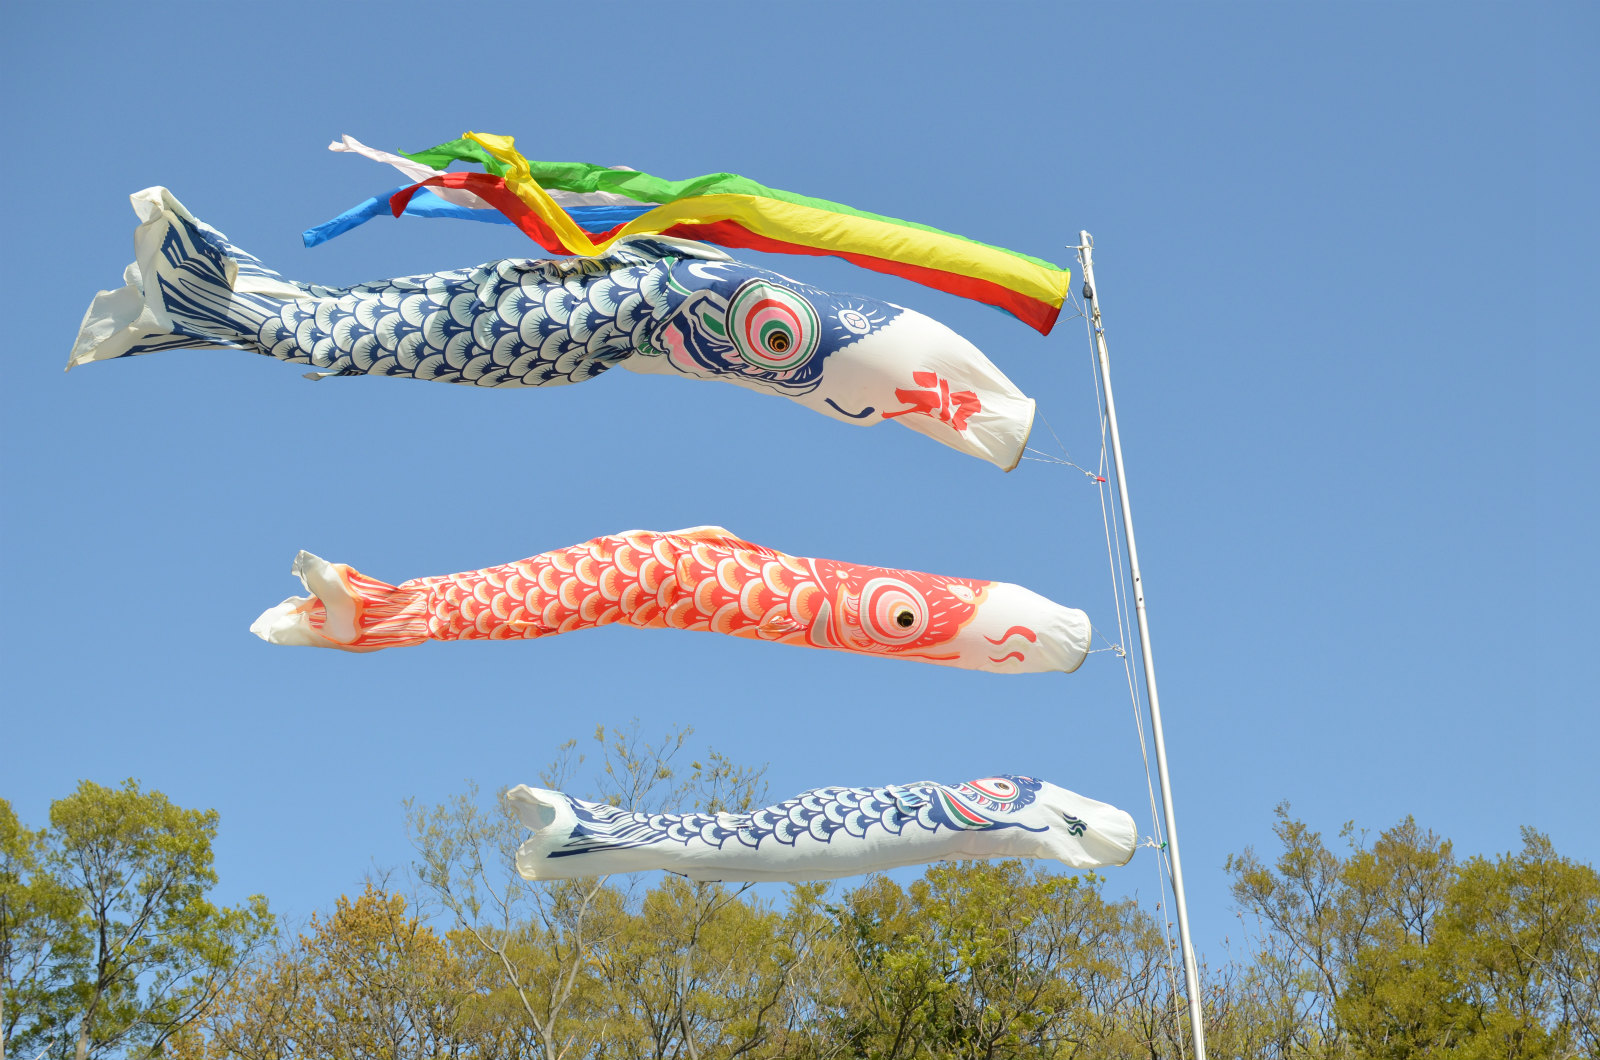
(109, 942)
(1396, 950)
(39, 936)
(369, 980)
(1383, 947)
(974, 960)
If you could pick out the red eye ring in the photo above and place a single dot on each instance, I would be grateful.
(893, 612)
(995, 787)
(772, 328)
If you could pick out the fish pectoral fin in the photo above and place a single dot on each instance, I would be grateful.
(778, 627)
(907, 798)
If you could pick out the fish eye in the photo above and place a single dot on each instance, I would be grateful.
(771, 327)
(893, 612)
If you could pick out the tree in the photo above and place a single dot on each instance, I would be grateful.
(538, 940)
(35, 941)
(1397, 950)
(134, 951)
(978, 959)
(368, 980)
(598, 969)
(1515, 956)
(1388, 948)
(696, 969)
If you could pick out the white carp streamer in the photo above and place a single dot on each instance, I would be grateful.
(825, 833)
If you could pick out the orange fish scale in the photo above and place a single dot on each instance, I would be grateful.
(682, 614)
(562, 560)
(730, 575)
(469, 609)
(549, 580)
(609, 615)
(804, 601)
(551, 616)
(753, 598)
(651, 572)
(778, 578)
(705, 595)
(648, 613)
(533, 599)
(611, 583)
(593, 604)
(487, 624)
(663, 552)
(587, 570)
(668, 592)
(501, 606)
(570, 623)
(728, 619)
(632, 593)
(627, 560)
(484, 593)
(571, 594)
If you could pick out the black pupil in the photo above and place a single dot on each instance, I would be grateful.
(779, 342)
(903, 619)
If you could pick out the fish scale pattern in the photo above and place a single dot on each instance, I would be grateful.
(819, 814)
(514, 323)
(644, 579)
(699, 579)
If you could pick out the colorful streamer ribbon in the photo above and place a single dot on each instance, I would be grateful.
(732, 211)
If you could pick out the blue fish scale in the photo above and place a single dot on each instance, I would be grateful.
(519, 322)
(819, 814)
(513, 323)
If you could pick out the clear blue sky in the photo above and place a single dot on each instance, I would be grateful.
(1342, 251)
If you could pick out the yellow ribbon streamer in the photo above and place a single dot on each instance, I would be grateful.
(790, 222)
(520, 180)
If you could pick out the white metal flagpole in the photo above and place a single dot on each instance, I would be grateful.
(1190, 974)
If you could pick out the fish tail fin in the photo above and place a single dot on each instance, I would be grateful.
(548, 815)
(189, 289)
(346, 610)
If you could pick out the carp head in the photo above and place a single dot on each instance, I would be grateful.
(853, 358)
(974, 625)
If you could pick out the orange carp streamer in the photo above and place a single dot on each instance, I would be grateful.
(703, 578)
